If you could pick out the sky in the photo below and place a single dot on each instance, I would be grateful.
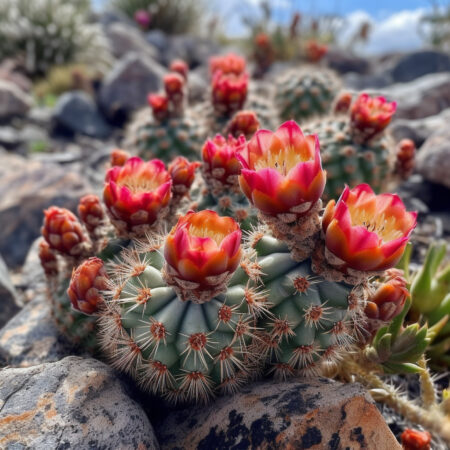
(395, 23)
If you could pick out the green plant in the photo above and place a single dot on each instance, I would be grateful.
(45, 33)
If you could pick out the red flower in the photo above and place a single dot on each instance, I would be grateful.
(183, 174)
(416, 440)
(160, 106)
(370, 116)
(179, 66)
(174, 85)
(262, 40)
(142, 18)
(282, 171)
(137, 193)
(229, 92)
(365, 231)
(203, 245)
(87, 280)
(315, 51)
(230, 63)
(63, 232)
(243, 122)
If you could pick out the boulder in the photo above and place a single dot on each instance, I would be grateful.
(27, 187)
(125, 39)
(433, 160)
(13, 101)
(73, 403)
(420, 63)
(126, 87)
(343, 62)
(76, 112)
(8, 296)
(313, 414)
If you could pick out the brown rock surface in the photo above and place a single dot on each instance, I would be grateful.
(307, 414)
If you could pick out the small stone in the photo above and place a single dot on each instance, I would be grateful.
(74, 403)
(307, 414)
(13, 101)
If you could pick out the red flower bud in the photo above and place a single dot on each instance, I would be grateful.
(160, 106)
(230, 63)
(183, 174)
(48, 259)
(179, 66)
(119, 157)
(91, 212)
(229, 92)
(406, 152)
(416, 440)
(243, 122)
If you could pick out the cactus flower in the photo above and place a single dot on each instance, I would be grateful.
(63, 231)
(365, 231)
(91, 212)
(119, 157)
(142, 18)
(87, 280)
(48, 259)
(179, 66)
(406, 152)
(221, 166)
(370, 116)
(282, 171)
(229, 92)
(315, 51)
(203, 248)
(230, 63)
(160, 106)
(243, 122)
(182, 172)
(137, 193)
(173, 85)
(342, 103)
(416, 440)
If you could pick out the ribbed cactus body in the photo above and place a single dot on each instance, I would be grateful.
(165, 140)
(349, 162)
(304, 94)
(311, 321)
(180, 349)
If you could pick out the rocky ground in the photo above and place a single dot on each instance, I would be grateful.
(50, 399)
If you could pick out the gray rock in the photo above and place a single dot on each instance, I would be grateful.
(420, 129)
(433, 160)
(158, 39)
(125, 39)
(343, 62)
(425, 96)
(371, 81)
(109, 16)
(303, 414)
(74, 403)
(415, 65)
(10, 137)
(197, 87)
(31, 337)
(8, 296)
(77, 112)
(26, 188)
(192, 49)
(126, 87)
(13, 101)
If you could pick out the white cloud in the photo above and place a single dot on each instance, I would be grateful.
(396, 32)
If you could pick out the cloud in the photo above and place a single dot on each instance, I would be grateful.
(396, 32)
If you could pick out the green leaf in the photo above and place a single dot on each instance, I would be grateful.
(395, 368)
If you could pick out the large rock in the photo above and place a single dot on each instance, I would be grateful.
(76, 112)
(125, 39)
(74, 403)
(425, 96)
(8, 296)
(433, 160)
(415, 65)
(126, 87)
(13, 101)
(419, 129)
(342, 61)
(312, 414)
(26, 189)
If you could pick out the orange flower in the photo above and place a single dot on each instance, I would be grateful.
(87, 280)
(179, 66)
(230, 63)
(229, 92)
(365, 231)
(370, 116)
(183, 174)
(243, 122)
(315, 51)
(137, 193)
(220, 162)
(160, 106)
(119, 157)
(63, 231)
(282, 171)
(202, 246)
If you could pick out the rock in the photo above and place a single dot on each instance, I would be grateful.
(11, 70)
(76, 112)
(13, 101)
(425, 96)
(125, 39)
(10, 137)
(314, 414)
(192, 49)
(126, 87)
(415, 65)
(371, 81)
(8, 296)
(73, 403)
(433, 160)
(343, 62)
(109, 16)
(197, 87)
(31, 337)
(420, 129)
(26, 188)
(158, 39)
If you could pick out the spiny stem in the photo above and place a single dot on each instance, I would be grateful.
(427, 386)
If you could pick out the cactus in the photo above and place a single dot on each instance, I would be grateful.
(350, 154)
(305, 93)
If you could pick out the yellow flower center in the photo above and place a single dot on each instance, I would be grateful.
(384, 226)
(282, 160)
(204, 232)
(139, 184)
